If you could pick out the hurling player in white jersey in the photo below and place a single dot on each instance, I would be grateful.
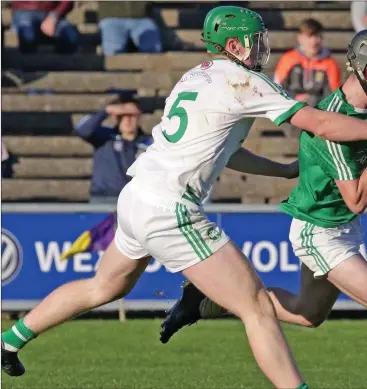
(206, 119)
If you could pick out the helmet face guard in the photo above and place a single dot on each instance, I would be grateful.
(259, 51)
(357, 57)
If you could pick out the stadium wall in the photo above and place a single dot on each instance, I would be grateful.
(34, 236)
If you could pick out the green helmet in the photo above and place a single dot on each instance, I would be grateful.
(247, 26)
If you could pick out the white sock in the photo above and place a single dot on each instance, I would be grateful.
(8, 347)
(209, 309)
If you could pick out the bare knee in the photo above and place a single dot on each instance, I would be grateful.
(260, 307)
(103, 291)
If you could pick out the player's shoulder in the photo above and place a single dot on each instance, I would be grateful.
(330, 102)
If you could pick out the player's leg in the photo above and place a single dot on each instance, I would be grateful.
(311, 306)
(115, 277)
(121, 266)
(229, 279)
(350, 276)
(334, 254)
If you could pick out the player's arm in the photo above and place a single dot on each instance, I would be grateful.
(245, 161)
(354, 193)
(330, 125)
(263, 98)
(340, 162)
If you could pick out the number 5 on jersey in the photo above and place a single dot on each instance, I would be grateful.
(181, 114)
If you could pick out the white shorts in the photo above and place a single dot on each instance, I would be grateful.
(177, 234)
(321, 249)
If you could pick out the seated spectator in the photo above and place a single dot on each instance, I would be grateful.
(122, 20)
(359, 15)
(308, 73)
(115, 149)
(41, 21)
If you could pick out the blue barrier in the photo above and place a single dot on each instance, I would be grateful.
(33, 238)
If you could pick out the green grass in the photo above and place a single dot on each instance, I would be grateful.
(213, 354)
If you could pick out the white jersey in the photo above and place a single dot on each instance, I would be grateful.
(206, 119)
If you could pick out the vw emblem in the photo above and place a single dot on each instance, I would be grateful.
(11, 257)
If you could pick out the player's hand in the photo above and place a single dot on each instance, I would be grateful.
(292, 170)
(122, 109)
(48, 26)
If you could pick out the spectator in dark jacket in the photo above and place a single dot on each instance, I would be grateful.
(122, 20)
(115, 149)
(36, 20)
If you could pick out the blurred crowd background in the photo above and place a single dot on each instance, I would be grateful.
(84, 82)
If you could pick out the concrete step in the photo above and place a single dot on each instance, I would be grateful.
(48, 146)
(55, 123)
(164, 63)
(274, 19)
(184, 39)
(279, 40)
(259, 189)
(47, 190)
(298, 5)
(70, 103)
(233, 185)
(73, 146)
(90, 82)
(53, 168)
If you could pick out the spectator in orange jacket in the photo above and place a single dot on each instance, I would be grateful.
(308, 73)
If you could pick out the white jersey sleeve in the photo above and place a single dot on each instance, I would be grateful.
(258, 96)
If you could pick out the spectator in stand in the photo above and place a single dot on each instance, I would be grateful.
(359, 15)
(308, 73)
(122, 20)
(41, 21)
(115, 149)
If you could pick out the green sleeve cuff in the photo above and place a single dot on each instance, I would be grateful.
(287, 114)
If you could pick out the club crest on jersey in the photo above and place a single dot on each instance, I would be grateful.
(206, 65)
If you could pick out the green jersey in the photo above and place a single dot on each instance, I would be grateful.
(317, 199)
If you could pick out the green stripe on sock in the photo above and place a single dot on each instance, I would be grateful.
(18, 335)
(302, 386)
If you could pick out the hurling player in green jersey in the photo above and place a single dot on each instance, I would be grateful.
(326, 232)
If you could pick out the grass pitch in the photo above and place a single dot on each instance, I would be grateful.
(213, 354)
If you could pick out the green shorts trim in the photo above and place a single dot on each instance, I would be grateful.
(307, 243)
(191, 234)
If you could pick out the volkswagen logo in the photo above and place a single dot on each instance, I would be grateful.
(11, 257)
